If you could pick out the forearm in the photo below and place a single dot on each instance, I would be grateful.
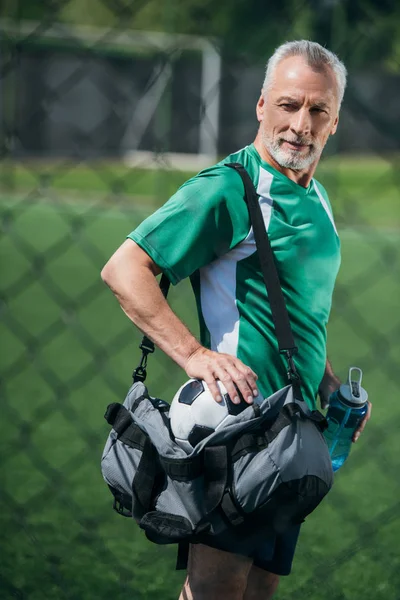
(135, 286)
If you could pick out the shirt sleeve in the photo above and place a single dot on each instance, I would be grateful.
(206, 218)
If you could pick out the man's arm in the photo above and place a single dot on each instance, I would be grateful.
(330, 384)
(131, 275)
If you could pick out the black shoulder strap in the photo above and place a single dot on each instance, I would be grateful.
(147, 346)
(280, 315)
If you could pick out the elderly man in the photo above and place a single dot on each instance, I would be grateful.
(203, 232)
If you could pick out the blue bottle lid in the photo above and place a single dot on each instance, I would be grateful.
(351, 393)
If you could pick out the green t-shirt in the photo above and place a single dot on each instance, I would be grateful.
(203, 232)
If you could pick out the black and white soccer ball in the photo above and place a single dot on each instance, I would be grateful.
(194, 414)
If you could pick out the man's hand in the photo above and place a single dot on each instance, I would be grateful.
(363, 423)
(212, 366)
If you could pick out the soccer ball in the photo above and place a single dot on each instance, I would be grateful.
(194, 414)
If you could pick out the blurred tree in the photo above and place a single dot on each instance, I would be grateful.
(364, 33)
(253, 28)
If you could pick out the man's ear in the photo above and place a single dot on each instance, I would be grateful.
(334, 126)
(260, 108)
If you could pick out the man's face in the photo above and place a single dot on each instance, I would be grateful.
(298, 113)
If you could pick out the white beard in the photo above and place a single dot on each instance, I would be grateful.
(291, 159)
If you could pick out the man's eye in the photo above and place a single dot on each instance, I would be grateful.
(288, 106)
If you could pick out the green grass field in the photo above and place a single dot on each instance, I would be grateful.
(67, 351)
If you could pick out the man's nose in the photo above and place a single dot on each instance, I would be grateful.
(301, 122)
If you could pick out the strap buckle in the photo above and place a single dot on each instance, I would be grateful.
(140, 373)
(120, 508)
(291, 372)
(147, 345)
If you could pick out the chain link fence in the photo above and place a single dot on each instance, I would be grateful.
(99, 125)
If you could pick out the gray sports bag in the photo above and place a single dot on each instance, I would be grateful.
(265, 471)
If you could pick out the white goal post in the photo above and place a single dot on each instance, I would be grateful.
(134, 41)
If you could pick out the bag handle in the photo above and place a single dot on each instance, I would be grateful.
(279, 312)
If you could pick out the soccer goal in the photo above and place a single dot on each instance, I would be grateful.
(149, 98)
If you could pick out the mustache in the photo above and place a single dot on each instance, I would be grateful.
(298, 140)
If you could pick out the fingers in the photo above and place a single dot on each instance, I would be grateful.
(363, 423)
(238, 379)
(238, 384)
(214, 389)
(324, 401)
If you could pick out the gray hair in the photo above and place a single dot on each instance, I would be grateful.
(316, 57)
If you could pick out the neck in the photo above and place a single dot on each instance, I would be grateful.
(302, 178)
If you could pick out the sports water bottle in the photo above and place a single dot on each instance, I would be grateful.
(347, 408)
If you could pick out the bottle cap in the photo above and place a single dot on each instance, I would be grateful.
(351, 393)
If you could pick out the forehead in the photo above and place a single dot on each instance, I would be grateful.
(294, 77)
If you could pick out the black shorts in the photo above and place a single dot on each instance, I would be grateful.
(276, 553)
(272, 552)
